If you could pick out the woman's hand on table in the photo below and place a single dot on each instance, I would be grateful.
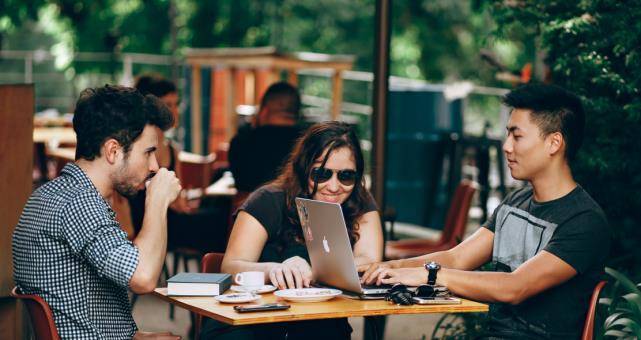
(371, 271)
(294, 272)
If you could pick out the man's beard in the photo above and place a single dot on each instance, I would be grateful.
(123, 182)
(126, 189)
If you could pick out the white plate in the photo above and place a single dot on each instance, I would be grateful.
(259, 290)
(237, 297)
(308, 294)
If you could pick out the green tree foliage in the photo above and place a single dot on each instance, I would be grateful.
(593, 49)
(436, 40)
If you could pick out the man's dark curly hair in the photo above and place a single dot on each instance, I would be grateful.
(114, 112)
(553, 109)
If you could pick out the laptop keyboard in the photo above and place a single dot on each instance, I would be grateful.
(384, 286)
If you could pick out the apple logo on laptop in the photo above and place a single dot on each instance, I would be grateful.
(325, 245)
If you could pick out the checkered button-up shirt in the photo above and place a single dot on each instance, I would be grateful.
(69, 249)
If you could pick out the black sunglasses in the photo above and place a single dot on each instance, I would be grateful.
(322, 175)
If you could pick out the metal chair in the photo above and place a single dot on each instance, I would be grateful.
(588, 327)
(453, 231)
(40, 314)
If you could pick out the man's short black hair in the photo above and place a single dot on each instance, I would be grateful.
(114, 112)
(553, 109)
(282, 97)
(154, 84)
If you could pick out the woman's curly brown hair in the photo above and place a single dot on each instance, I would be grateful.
(293, 178)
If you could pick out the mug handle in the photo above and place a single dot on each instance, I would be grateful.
(239, 278)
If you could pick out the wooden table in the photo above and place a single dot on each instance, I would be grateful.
(339, 307)
(65, 154)
(57, 135)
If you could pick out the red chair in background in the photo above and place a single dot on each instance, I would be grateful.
(588, 327)
(453, 230)
(210, 263)
(40, 314)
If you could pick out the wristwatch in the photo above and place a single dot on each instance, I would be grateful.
(432, 268)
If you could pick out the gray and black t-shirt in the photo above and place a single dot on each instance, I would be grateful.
(573, 228)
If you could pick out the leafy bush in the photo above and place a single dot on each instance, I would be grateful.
(593, 49)
(623, 308)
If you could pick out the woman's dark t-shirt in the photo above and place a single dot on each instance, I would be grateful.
(267, 205)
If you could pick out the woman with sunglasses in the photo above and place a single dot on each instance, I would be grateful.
(326, 164)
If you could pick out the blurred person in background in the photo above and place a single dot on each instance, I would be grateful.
(257, 152)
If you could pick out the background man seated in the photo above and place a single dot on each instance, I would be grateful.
(256, 153)
(547, 242)
(68, 247)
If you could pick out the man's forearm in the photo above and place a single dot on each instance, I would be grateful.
(444, 258)
(152, 242)
(482, 286)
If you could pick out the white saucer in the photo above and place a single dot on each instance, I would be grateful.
(259, 289)
(308, 294)
(237, 297)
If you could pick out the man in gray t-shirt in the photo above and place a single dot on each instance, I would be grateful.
(547, 242)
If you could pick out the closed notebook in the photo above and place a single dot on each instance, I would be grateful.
(198, 284)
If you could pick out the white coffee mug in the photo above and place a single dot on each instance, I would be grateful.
(250, 279)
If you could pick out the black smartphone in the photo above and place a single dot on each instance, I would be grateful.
(260, 308)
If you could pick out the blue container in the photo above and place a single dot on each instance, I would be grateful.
(419, 121)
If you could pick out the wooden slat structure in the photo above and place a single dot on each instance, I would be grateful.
(241, 76)
(17, 104)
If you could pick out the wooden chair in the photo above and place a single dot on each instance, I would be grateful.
(210, 263)
(453, 231)
(40, 314)
(588, 327)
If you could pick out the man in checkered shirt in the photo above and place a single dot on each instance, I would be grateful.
(68, 247)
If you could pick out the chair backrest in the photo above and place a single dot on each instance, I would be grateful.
(195, 170)
(588, 327)
(210, 263)
(40, 314)
(456, 218)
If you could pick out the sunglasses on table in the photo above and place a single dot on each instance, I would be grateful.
(322, 175)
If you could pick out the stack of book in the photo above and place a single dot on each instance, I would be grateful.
(198, 284)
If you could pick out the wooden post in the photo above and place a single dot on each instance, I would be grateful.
(262, 81)
(337, 95)
(17, 103)
(196, 110)
(292, 77)
(221, 108)
(382, 23)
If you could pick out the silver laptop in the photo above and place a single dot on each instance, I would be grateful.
(329, 249)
